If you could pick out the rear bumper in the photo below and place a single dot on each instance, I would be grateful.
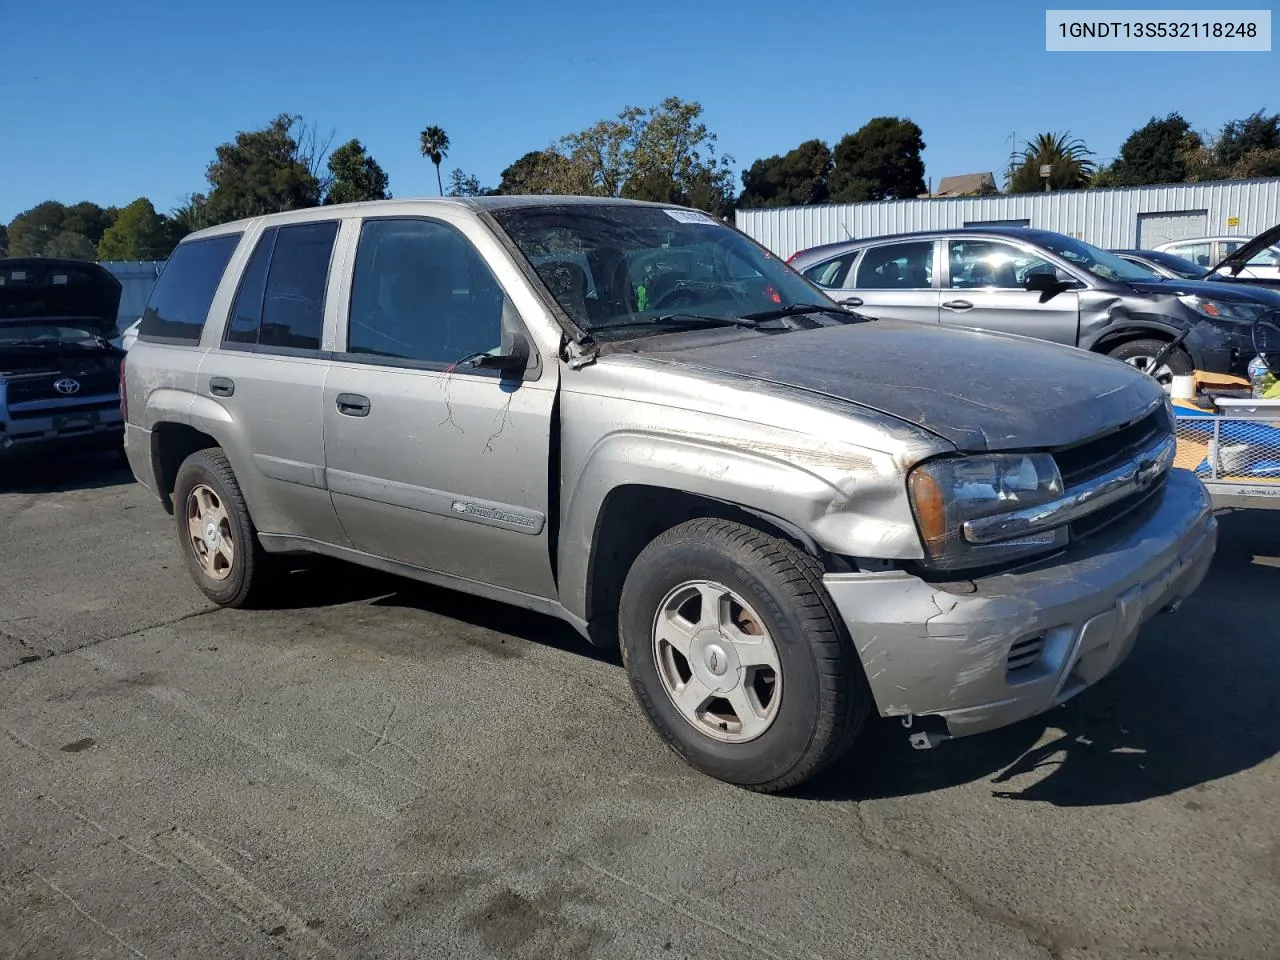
(137, 450)
(986, 653)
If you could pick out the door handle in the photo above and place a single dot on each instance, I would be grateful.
(958, 305)
(852, 301)
(222, 386)
(353, 405)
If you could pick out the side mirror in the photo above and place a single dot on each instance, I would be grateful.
(513, 357)
(1043, 283)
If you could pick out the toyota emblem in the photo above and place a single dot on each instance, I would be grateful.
(67, 386)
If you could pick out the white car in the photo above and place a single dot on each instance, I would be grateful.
(1206, 251)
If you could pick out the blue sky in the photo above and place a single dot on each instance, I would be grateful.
(111, 101)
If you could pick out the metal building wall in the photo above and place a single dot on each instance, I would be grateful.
(137, 277)
(1108, 218)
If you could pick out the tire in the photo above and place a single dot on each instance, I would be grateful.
(823, 699)
(1133, 352)
(242, 581)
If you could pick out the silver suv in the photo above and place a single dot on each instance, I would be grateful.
(632, 417)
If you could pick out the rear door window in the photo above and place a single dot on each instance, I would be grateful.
(180, 300)
(897, 266)
(246, 312)
(280, 303)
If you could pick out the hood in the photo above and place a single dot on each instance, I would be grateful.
(40, 288)
(979, 391)
(1236, 261)
(1215, 289)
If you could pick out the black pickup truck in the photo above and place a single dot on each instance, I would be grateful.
(59, 374)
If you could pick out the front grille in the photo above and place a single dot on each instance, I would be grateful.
(36, 389)
(1092, 458)
(1091, 524)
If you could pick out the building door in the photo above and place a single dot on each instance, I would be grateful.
(1157, 228)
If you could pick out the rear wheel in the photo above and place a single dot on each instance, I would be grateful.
(217, 534)
(738, 657)
(1142, 354)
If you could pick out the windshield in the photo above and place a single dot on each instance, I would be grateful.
(46, 331)
(623, 271)
(1097, 261)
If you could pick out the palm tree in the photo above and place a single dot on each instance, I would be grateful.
(435, 147)
(1067, 157)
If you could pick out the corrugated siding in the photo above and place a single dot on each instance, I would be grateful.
(1108, 218)
(136, 277)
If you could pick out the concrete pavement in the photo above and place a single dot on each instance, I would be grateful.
(381, 769)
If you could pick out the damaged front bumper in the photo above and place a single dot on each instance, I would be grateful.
(986, 653)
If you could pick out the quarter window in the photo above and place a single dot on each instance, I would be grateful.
(897, 266)
(422, 292)
(180, 300)
(994, 265)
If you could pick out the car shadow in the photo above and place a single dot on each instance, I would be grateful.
(320, 581)
(1195, 702)
(75, 470)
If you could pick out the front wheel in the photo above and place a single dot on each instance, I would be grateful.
(1142, 354)
(738, 657)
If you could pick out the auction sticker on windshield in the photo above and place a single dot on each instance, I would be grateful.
(690, 216)
(1177, 30)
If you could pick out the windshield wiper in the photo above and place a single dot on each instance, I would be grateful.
(699, 319)
(796, 309)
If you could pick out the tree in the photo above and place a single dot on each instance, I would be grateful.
(544, 172)
(261, 172)
(662, 153)
(89, 220)
(192, 214)
(434, 144)
(1104, 176)
(464, 185)
(881, 161)
(72, 246)
(4, 241)
(32, 231)
(1249, 147)
(1067, 159)
(1162, 151)
(355, 175)
(801, 176)
(139, 233)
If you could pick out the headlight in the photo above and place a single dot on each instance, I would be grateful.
(1216, 309)
(947, 492)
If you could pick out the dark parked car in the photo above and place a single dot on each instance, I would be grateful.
(1161, 264)
(1045, 285)
(59, 376)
